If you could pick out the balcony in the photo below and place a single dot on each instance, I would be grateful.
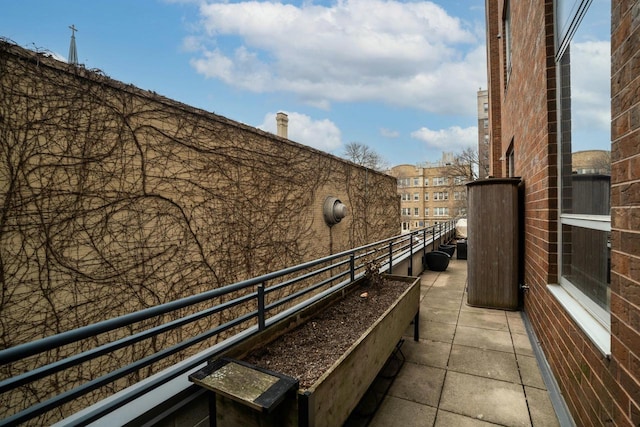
(469, 364)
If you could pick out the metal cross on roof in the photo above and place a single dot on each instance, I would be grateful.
(73, 53)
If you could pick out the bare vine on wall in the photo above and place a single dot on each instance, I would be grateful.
(113, 199)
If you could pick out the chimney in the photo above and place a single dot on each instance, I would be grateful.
(282, 121)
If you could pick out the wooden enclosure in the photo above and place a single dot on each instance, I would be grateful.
(493, 247)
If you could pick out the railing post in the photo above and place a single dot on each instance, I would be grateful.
(424, 242)
(261, 321)
(433, 238)
(352, 266)
(410, 255)
(390, 257)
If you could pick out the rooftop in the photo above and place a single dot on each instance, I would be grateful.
(471, 367)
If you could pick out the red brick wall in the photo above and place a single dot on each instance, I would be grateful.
(625, 209)
(597, 390)
(528, 104)
(494, 80)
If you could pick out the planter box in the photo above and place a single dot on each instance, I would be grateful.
(330, 400)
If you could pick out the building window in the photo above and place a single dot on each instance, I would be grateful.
(416, 196)
(486, 107)
(416, 212)
(426, 182)
(441, 195)
(426, 212)
(486, 123)
(405, 226)
(459, 180)
(406, 196)
(506, 29)
(404, 182)
(416, 182)
(440, 180)
(441, 211)
(457, 195)
(511, 162)
(584, 200)
(426, 195)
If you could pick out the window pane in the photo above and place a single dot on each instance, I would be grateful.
(586, 115)
(586, 261)
(585, 149)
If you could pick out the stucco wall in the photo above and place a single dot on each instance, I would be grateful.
(113, 199)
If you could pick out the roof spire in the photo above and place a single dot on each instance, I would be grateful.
(73, 53)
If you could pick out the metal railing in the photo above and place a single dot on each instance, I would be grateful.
(314, 279)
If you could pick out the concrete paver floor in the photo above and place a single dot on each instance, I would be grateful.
(471, 367)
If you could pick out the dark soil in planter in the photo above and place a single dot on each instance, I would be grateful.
(308, 351)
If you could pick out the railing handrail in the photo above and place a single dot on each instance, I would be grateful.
(52, 342)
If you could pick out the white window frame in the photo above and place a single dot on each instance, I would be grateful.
(594, 321)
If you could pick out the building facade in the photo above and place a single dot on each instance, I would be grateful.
(563, 115)
(483, 134)
(430, 193)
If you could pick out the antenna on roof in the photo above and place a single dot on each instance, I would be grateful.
(73, 53)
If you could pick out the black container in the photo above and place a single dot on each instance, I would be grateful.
(462, 250)
(450, 249)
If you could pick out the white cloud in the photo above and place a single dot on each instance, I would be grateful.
(452, 139)
(590, 85)
(389, 133)
(321, 134)
(409, 54)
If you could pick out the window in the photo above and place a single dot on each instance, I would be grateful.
(416, 212)
(405, 226)
(459, 180)
(403, 182)
(486, 123)
(511, 164)
(486, 107)
(440, 180)
(506, 24)
(406, 196)
(416, 196)
(441, 211)
(441, 195)
(426, 195)
(426, 212)
(416, 182)
(584, 200)
(457, 195)
(426, 182)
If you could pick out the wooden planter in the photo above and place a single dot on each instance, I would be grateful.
(330, 400)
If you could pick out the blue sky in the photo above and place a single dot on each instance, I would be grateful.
(398, 76)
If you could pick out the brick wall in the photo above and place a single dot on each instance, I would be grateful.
(623, 379)
(113, 199)
(495, 84)
(597, 390)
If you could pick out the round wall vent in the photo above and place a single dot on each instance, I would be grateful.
(334, 210)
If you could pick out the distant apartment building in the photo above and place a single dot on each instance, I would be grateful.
(483, 134)
(564, 102)
(429, 193)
